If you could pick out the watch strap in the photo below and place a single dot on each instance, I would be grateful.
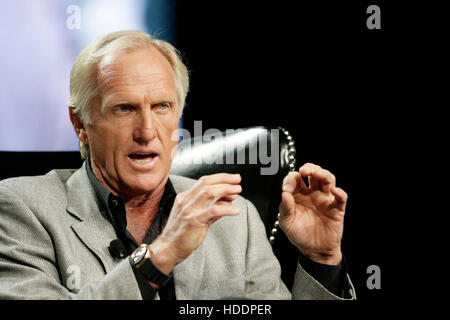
(152, 273)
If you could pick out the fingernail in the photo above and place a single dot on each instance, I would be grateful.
(287, 187)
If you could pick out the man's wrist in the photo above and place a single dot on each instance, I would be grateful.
(329, 258)
(161, 257)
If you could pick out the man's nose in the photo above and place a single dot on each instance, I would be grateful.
(145, 129)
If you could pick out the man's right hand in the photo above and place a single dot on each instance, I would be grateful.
(192, 213)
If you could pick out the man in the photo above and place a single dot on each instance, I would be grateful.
(183, 239)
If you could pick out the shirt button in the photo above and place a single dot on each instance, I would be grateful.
(115, 202)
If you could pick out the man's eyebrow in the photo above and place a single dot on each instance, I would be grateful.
(165, 100)
(116, 100)
(113, 101)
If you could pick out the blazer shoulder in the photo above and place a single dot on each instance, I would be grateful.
(31, 186)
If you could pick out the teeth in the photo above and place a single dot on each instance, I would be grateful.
(142, 161)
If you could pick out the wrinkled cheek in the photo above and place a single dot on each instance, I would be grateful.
(97, 152)
(170, 151)
(111, 158)
(170, 142)
(173, 151)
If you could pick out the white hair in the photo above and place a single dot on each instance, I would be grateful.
(85, 70)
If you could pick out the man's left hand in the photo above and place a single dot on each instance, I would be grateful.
(313, 216)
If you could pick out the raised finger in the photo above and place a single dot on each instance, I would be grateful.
(220, 178)
(326, 178)
(320, 179)
(307, 170)
(294, 183)
(209, 194)
(218, 211)
(289, 182)
(340, 198)
(229, 198)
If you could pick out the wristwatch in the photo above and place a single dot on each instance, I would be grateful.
(141, 258)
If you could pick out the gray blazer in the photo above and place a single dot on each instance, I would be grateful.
(54, 245)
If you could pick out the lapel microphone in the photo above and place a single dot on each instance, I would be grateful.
(117, 249)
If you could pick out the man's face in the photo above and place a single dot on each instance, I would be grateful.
(133, 119)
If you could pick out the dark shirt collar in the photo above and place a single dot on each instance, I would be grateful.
(110, 202)
(100, 190)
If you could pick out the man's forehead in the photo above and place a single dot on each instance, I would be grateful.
(113, 80)
(142, 67)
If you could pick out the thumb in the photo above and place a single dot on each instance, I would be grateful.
(287, 205)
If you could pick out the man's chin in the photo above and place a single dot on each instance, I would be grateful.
(142, 185)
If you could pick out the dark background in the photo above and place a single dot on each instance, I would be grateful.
(365, 104)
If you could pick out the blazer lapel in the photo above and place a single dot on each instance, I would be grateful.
(93, 227)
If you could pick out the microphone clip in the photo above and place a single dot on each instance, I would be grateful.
(117, 249)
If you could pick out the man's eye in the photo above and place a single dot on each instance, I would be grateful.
(123, 108)
(162, 107)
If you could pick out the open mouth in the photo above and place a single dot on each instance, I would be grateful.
(142, 158)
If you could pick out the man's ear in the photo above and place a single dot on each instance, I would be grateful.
(78, 125)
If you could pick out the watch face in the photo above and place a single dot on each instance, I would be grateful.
(139, 253)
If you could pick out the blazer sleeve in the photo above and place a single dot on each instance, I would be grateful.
(28, 263)
(263, 271)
